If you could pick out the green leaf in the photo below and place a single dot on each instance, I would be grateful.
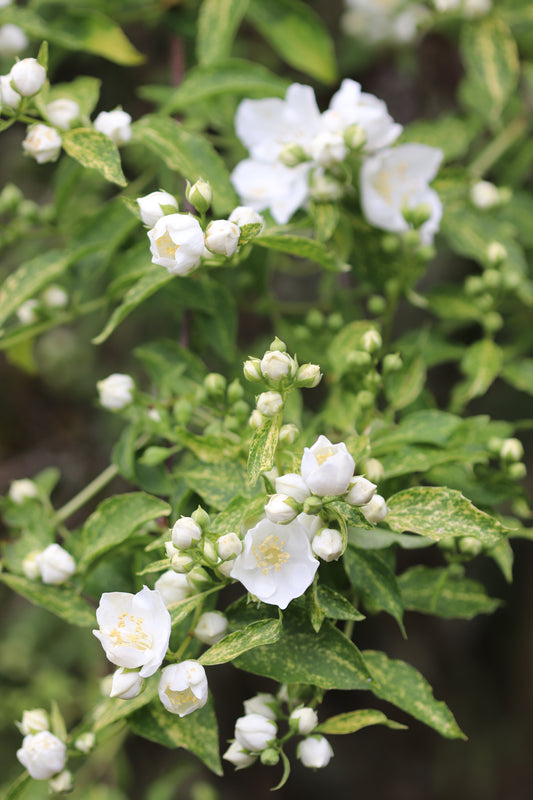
(263, 633)
(502, 554)
(441, 513)
(403, 387)
(17, 789)
(520, 374)
(453, 135)
(114, 709)
(156, 455)
(436, 591)
(427, 427)
(95, 150)
(334, 605)
(234, 515)
(144, 288)
(29, 278)
(218, 21)
(218, 484)
(300, 246)
(297, 34)
(481, 364)
(407, 460)
(371, 576)
(380, 539)
(403, 686)
(114, 521)
(196, 732)
(353, 721)
(490, 57)
(60, 600)
(294, 657)
(188, 154)
(212, 449)
(263, 447)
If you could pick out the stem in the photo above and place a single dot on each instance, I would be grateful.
(495, 149)
(87, 493)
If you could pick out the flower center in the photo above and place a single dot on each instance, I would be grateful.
(165, 246)
(181, 700)
(270, 554)
(130, 632)
(324, 455)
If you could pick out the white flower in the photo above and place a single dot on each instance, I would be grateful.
(116, 124)
(134, 629)
(395, 179)
(312, 524)
(116, 391)
(85, 742)
(33, 721)
(327, 468)
(55, 297)
(8, 96)
(151, 206)
(306, 719)
(269, 403)
(42, 143)
(228, 546)
(23, 489)
(211, 627)
(238, 757)
(30, 565)
(476, 8)
(271, 185)
(42, 754)
(350, 106)
(360, 491)
(376, 510)
(254, 732)
(173, 587)
(278, 509)
(177, 243)
(314, 752)
(27, 77)
(276, 564)
(484, 194)
(183, 688)
(275, 366)
(262, 704)
(244, 215)
(55, 564)
(12, 40)
(292, 485)
(222, 237)
(308, 376)
(27, 311)
(185, 533)
(328, 148)
(327, 544)
(126, 684)
(62, 783)
(62, 112)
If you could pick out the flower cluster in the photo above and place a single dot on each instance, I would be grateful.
(53, 565)
(296, 152)
(42, 753)
(178, 241)
(191, 549)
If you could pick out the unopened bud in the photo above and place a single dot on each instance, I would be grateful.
(288, 434)
(373, 470)
(470, 546)
(354, 137)
(199, 195)
(308, 376)
(215, 383)
(392, 362)
(496, 253)
(235, 391)
(222, 237)
(517, 471)
(376, 510)
(292, 154)
(201, 517)
(256, 419)
(229, 545)
(358, 358)
(269, 403)
(371, 341)
(198, 578)
(252, 370)
(269, 757)
(484, 194)
(327, 544)
(312, 505)
(185, 533)
(511, 450)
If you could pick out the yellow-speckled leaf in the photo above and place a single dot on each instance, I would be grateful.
(353, 721)
(263, 447)
(441, 513)
(235, 644)
(60, 600)
(218, 21)
(437, 591)
(403, 686)
(371, 576)
(115, 709)
(95, 150)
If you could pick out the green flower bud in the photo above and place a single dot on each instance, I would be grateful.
(312, 505)
(392, 362)
(241, 409)
(292, 154)
(511, 450)
(359, 358)
(496, 253)
(517, 471)
(335, 321)
(182, 411)
(215, 384)
(492, 278)
(470, 546)
(269, 757)
(474, 285)
(315, 319)
(390, 243)
(376, 304)
(235, 391)
(279, 345)
(371, 341)
(365, 399)
(201, 517)
(199, 195)
(492, 322)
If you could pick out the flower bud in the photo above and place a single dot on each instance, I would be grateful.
(292, 154)
(276, 366)
(215, 384)
(392, 363)
(43, 755)
(62, 783)
(181, 564)
(376, 510)
(303, 720)
(517, 471)
(222, 237)
(116, 391)
(496, 253)
(55, 564)
(371, 341)
(42, 143)
(235, 391)
(308, 376)
(228, 546)
(55, 297)
(211, 627)
(354, 136)
(269, 403)
(201, 517)
(327, 544)
(8, 96)
(198, 579)
(292, 485)
(360, 491)
(225, 567)
(262, 703)
(173, 587)
(469, 545)
(85, 742)
(244, 215)
(12, 40)
(62, 112)
(252, 370)
(269, 757)
(278, 509)
(115, 124)
(312, 506)
(127, 683)
(238, 756)
(199, 195)
(33, 721)
(30, 565)
(323, 188)
(152, 206)
(484, 194)
(185, 533)
(328, 148)
(255, 732)
(27, 77)
(182, 410)
(22, 490)
(288, 434)
(256, 419)
(511, 450)
(374, 470)
(358, 358)
(314, 752)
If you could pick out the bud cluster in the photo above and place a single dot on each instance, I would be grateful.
(53, 565)
(43, 753)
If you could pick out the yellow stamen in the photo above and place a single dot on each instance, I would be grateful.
(270, 554)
